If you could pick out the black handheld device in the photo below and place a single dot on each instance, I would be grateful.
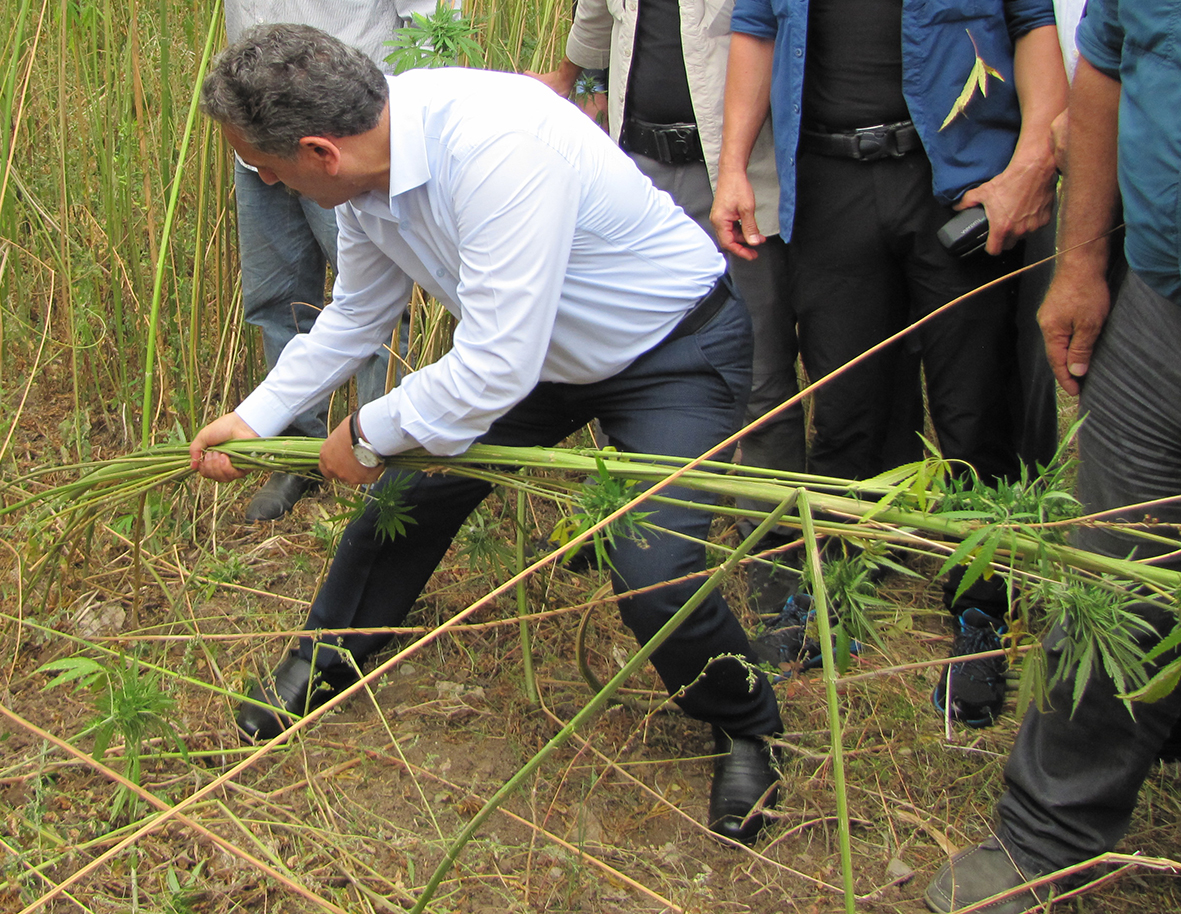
(965, 233)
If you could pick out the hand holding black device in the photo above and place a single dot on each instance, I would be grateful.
(965, 233)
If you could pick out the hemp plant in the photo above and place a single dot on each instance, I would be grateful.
(601, 496)
(438, 40)
(129, 701)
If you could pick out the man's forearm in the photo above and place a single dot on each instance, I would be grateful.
(747, 103)
(1040, 81)
(747, 99)
(1091, 188)
(1078, 302)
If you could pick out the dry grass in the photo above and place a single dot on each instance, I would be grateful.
(357, 811)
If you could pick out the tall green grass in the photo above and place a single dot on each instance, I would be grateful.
(93, 96)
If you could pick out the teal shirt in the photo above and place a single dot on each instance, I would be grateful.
(1138, 44)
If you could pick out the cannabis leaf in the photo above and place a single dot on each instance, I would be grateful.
(601, 496)
(978, 78)
(438, 40)
(389, 496)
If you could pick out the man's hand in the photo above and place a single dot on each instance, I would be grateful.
(1018, 201)
(337, 460)
(1073, 313)
(733, 215)
(747, 104)
(211, 464)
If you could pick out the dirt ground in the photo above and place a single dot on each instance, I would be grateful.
(358, 810)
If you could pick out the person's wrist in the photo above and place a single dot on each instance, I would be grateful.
(363, 452)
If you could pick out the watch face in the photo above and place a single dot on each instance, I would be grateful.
(366, 457)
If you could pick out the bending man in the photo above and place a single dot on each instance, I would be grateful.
(581, 292)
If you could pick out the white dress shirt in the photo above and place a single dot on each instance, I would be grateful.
(561, 261)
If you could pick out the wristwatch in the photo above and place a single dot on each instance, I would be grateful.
(364, 452)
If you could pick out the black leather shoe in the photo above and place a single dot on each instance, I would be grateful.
(743, 775)
(278, 496)
(293, 689)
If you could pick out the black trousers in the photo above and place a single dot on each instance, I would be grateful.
(865, 262)
(678, 399)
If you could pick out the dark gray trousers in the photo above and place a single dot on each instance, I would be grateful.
(1073, 779)
(865, 262)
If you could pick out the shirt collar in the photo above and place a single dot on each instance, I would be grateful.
(409, 167)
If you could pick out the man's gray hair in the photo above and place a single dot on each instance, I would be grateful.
(280, 83)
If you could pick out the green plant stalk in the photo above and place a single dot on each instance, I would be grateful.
(596, 704)
(836, 731)
(134, 473)
(166, 233)
(523, 606)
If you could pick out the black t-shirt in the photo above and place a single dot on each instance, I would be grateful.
(658, 89)
(853, 71)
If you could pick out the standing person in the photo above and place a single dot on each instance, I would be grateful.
(666, 65)
(1075, 772)
(581, 292)
(284, 242)
(875, 153)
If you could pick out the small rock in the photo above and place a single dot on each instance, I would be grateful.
(97, 619)
(898, 870)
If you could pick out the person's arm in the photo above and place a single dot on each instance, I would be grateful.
(747, 103)
(1079, 300)
(1020, 199)
(562, 79)
(514, 238)
(589, 43)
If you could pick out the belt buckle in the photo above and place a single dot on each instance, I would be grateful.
(873, 143)
(675, 143)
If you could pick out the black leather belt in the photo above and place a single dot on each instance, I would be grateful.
(703, 312)
(672, 144)
(866, 144)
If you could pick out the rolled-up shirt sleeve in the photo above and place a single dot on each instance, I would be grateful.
(754, 17)
(1100, 38)
(514, 202)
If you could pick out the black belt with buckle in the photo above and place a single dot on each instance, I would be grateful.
(704, 311)
(672, 144)
(866, 144)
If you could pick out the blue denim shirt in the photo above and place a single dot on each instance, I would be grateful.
(1137, 44)
(937, 58)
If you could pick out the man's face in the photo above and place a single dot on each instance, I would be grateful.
(306, 173)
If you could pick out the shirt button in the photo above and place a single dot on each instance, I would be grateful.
(795, 109)
(440, 272)
(799, 52)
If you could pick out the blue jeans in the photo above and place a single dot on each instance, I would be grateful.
(285, 243)
(679, 399)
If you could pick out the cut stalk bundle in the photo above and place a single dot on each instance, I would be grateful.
(902, 506)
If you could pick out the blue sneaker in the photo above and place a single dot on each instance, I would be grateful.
(977, 686)
(786, 642)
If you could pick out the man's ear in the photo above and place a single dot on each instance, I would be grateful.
(323, 150)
